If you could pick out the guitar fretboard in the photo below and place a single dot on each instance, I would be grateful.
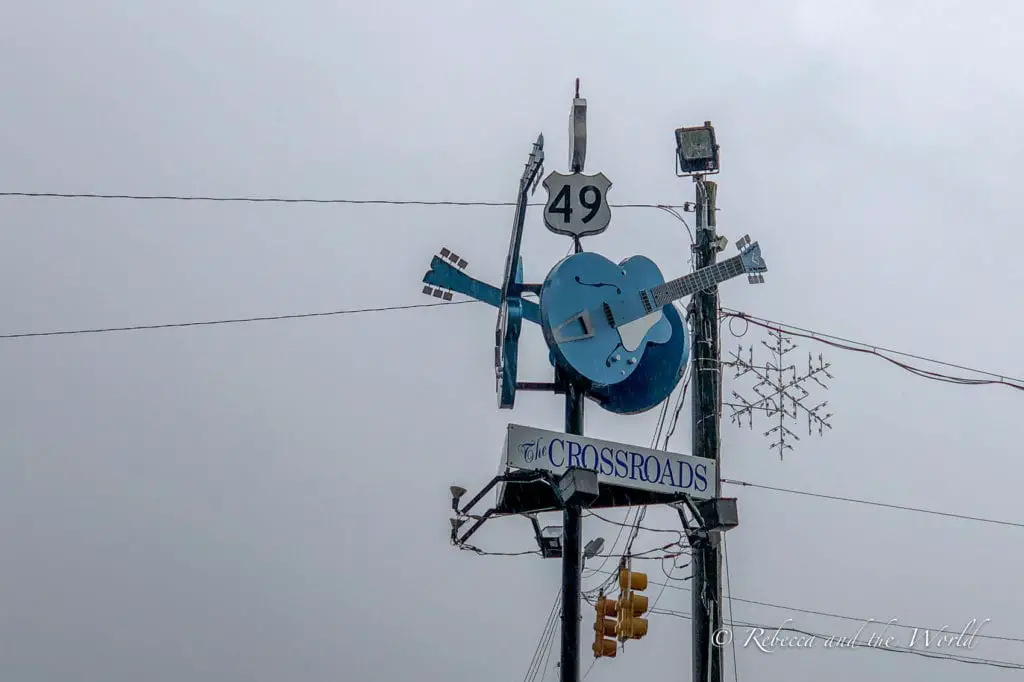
(705, 278)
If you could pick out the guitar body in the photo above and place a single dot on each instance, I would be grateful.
(582, 298)
(659, 373)
(646, 388)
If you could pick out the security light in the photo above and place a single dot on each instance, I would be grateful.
(697, 150)
(593, 548)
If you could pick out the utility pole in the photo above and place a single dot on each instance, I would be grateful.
(706, 561)
(572, 524)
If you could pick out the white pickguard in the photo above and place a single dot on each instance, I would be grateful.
(632, 333)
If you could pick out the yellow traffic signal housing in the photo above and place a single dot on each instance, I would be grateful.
(604, 628)
(631, 605)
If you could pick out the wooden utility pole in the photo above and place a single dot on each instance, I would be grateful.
(706, 562)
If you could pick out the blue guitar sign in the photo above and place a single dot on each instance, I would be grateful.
(598, 317)
(510, 308)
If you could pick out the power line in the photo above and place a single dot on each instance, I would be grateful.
(290, 200)
(237, 320)
(830, 614)
(880, 351)
(871, 503)
(1003, 379)
(728, 585)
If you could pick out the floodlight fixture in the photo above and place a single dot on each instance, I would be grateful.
(577, 486)
(550, 540)
(697, 150)
(719, 514)
(593, 548)
(457, 493)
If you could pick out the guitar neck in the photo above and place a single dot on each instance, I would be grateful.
(705, 278)
(512, 259)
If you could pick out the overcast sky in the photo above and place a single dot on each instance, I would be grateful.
(269, 501)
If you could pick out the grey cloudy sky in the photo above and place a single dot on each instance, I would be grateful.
(269, 501)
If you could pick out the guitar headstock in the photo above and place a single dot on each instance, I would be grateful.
(450, 258)
(750, 256)
(534, 168)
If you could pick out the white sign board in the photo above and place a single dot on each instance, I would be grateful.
(617, 464)
(577, 204)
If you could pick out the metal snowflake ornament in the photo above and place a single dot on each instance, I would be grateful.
(780, 391)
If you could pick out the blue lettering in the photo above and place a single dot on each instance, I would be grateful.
(621, 465)
(529, 451)
(647, 468)
(637, 464)
(574, 454)
(666, 472)
(702, 481)
(551, 452)
(607, 465)
(533, 450)
(689, 475)
(583, 456)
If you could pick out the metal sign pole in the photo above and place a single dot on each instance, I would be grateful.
(572, 523)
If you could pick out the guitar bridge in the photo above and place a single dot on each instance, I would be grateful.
(584, 325)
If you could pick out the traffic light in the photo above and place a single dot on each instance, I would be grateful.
(631, 605)
(605, 627)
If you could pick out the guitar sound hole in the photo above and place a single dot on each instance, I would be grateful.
(597, 284)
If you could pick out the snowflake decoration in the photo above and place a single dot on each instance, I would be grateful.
(780, 391)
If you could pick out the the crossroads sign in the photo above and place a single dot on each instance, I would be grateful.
(617, 464)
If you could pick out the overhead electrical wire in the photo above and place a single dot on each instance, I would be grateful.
(728, 587)
(883, 353)
(832, 614)
(672, 209)
(884, 505)
(236, 320)
(291, 200)
(540, 655)
(1002, 379)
